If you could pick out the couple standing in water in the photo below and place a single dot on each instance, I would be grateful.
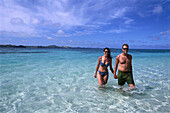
(123, 63)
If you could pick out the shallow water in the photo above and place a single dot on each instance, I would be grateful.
(62, 80)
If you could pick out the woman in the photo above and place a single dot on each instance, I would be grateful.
(101, 69)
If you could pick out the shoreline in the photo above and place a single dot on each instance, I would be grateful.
(22, 46)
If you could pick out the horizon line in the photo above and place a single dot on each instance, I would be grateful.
(66, 46)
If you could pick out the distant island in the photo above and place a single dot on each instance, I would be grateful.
(22, 46)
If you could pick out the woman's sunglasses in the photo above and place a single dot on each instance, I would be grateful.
(106, 51)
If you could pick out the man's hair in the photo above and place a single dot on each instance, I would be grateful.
(125, 45)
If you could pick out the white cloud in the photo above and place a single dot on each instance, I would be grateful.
(60, 32)
(165, 33)
(141, 14)
(128, 20)
(50, 38)
(59, 12)
(35, 21)
(157, 10)
(17, 21)
(18, 18)
(161, 35)
(118, 31)
(115, 31)
(101, 23)
(48, 16)
(120, 12)
(18, 34)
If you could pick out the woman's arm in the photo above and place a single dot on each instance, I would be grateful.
(97, 67)
(111, 69)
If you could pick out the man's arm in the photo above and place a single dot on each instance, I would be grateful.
(116, 65)
(131, 65)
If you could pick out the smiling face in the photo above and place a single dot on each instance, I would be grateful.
(125, 49)
(106, 52)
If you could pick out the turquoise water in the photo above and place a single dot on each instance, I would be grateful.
(62, 80)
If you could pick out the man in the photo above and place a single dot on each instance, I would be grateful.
(124, 60)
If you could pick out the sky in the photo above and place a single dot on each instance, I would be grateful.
(143, 24)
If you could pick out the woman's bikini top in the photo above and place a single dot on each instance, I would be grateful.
(104, 65)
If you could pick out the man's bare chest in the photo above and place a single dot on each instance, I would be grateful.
(124, 60)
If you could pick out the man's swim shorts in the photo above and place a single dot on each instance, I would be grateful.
(125, 77)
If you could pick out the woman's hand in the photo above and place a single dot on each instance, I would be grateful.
(95, 75)
(115, 76)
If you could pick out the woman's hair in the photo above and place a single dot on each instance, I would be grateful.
(109, 56)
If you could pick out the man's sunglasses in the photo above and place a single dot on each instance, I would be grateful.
(125, 49)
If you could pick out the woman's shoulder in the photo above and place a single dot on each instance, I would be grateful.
(100, 57)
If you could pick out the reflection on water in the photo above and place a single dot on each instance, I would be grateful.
(63, 81)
